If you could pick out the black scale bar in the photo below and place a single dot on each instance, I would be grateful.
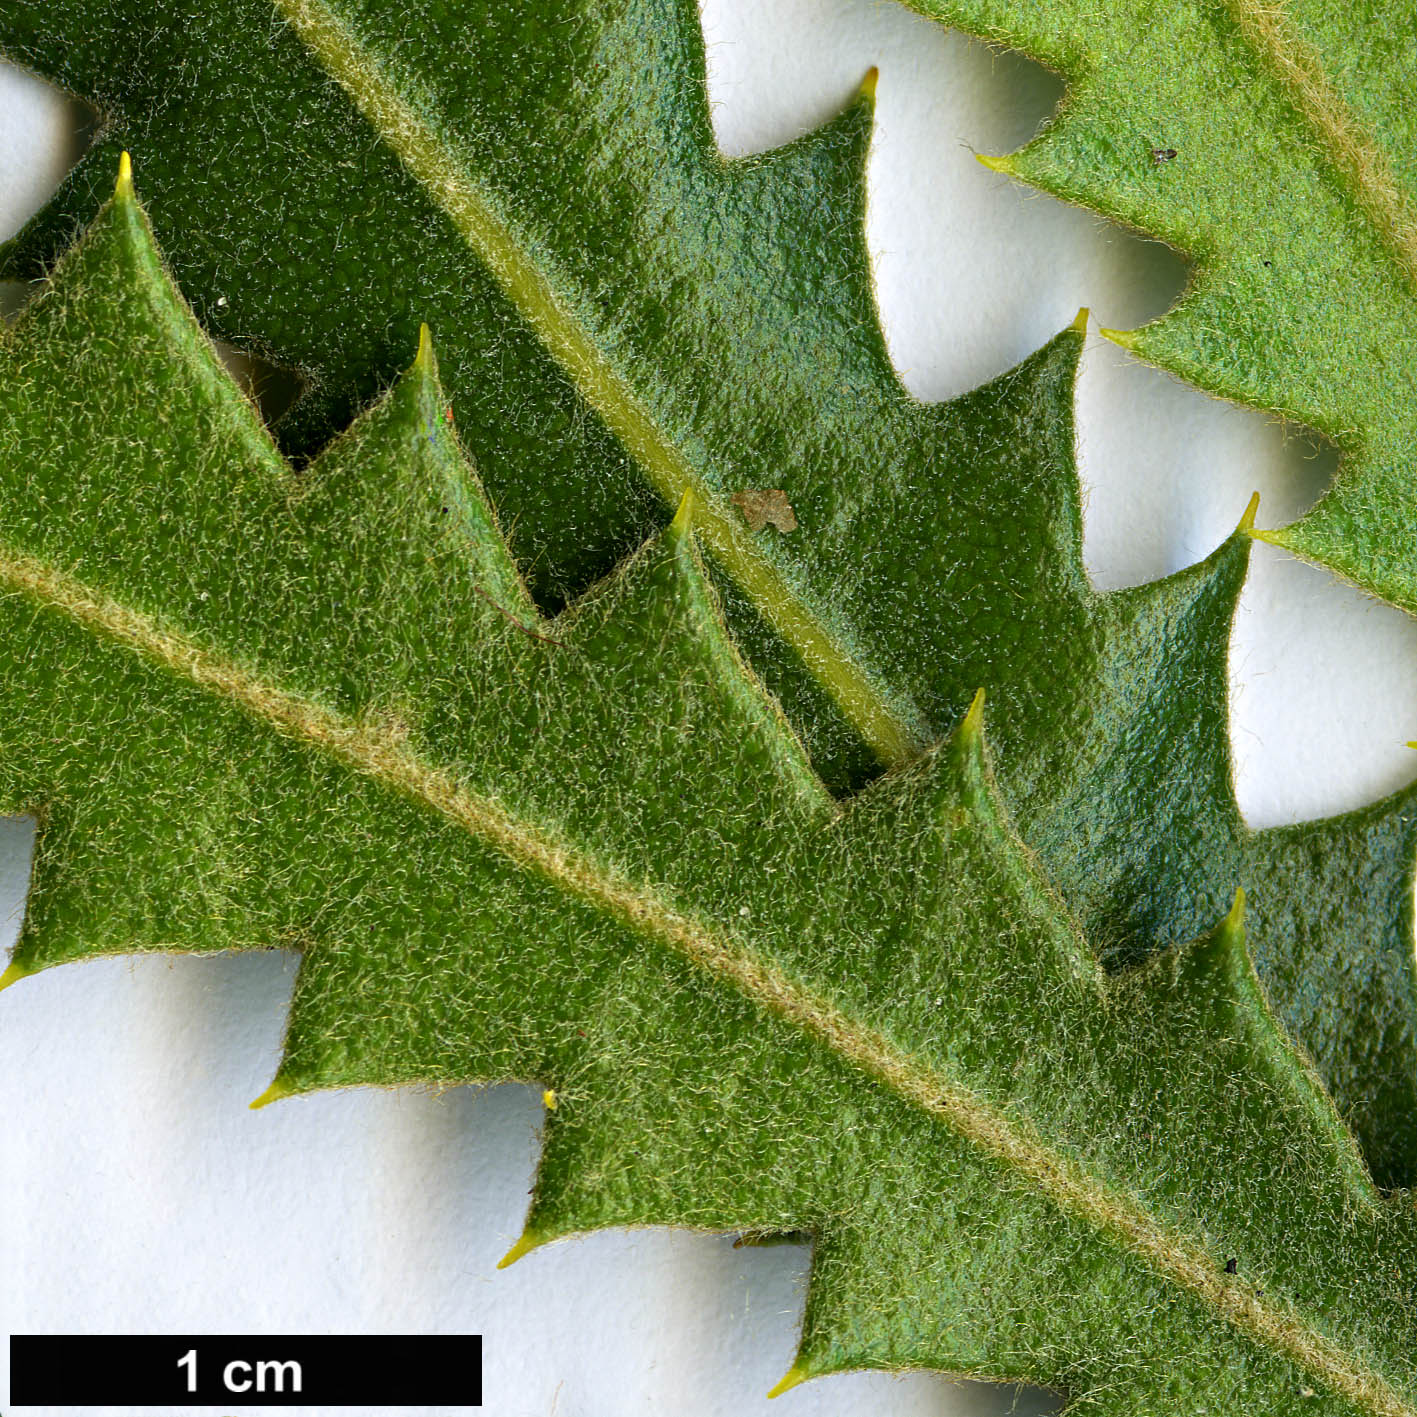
(254, 1370)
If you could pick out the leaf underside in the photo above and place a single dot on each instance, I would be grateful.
(623, 315)
(252, 704)
(319, 708)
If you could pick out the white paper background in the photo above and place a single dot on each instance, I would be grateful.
(138, 1193)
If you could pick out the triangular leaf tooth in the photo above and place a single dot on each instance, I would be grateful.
(952, 1299)
(997, 485)
(1149, 758)
(1221, 339)
(1353, 1004)
(389, 520)
(176, 458)
(451, 966)
(933, 843)
(179, 780)
(656, 611)
(1213, 972)
(803, 247)
(1101, 150)
(1204, 1005)
(729, 1136)
(151, 763)
(956, 1298)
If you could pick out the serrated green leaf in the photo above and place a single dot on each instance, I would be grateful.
(591, 851)
(623, 314)
(1273, 144)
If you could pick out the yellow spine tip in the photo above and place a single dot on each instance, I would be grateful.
(273, 1093)
(997, 164)
(1235, 920)
(124, 186)
(974, 719)
(524, 1246)
(548, 1099)
(1410, 745)
(1080, 320)
(1247, 522)
(868, 84)
(790, 1379)
(424, 358)
(15, 972)
(1127, 339)
(684, 517)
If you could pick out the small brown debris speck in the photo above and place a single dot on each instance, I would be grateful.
(1232, 1266)
(761, 508)
(1160, 155)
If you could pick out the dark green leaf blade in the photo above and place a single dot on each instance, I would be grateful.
(590, 851)
(622, 313)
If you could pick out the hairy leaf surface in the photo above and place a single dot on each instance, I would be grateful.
(590, 851)
(624, 315)
(1275, 144)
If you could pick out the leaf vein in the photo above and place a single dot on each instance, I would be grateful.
(387, 759)
(426, 157)
(1359, 162)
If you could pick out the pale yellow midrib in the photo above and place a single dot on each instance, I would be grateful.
(427, 159)
(385, 758)
(1354, 154)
